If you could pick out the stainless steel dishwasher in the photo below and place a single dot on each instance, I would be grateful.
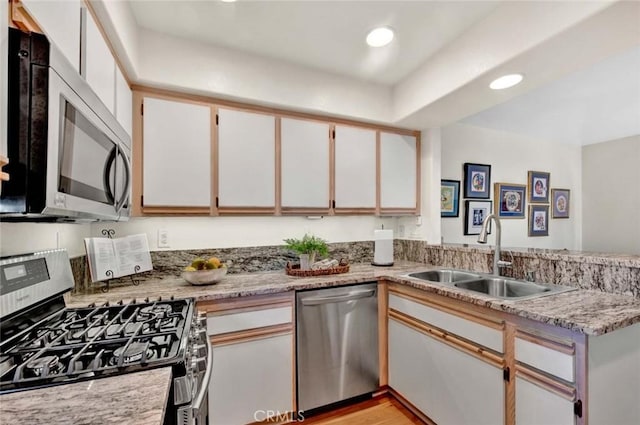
(337, 344)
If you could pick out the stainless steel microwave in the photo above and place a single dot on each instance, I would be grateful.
(69, 158)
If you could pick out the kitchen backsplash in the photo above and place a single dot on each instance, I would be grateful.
(239, 260)
(613, 273)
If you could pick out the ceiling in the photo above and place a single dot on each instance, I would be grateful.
(594, 103)
(324, 35)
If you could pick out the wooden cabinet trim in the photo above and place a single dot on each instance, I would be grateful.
(378, 173)
(256, 302)
(383, 333)
(20, 18)
(269, 111)
(452, 340)
(166, 210)
(444, 304)
(418, 172)
(214, 161)
(544, 381)
(565, 347)
(251, 334)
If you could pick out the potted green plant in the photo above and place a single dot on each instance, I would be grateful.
(307, 248)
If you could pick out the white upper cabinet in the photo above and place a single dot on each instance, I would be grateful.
(97, 65)
(304, 163)
(124, 101)
(176, 154)
(355, 167)
(397, 171)
(60, 21)
(246, 159)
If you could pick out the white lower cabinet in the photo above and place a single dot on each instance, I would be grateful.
(251, 380)
(446, 384)
(538, 406)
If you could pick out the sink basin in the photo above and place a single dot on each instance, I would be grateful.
(494, 286)
(446, 275)
(506, 288)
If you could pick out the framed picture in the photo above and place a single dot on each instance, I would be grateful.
(560, 203)
(475, 213)
(477, 181)
(538, 187)
(449, 198)
(538, 220)
(510, 200)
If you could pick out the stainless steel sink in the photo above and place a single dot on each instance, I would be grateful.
(446, 275)
(494, 286)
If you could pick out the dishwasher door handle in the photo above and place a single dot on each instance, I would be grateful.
(338, 298)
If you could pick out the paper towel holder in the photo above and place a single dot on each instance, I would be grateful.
(383, 248)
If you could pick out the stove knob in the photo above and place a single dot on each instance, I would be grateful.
(201, 365)
(194, 366)
(200, 350)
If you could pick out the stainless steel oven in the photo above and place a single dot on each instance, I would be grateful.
(69, 158)
(43, 344)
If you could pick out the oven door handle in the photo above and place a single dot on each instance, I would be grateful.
(204, 387)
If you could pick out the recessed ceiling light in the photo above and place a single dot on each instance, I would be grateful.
(379, 37)
(506, 81)
(228, 1)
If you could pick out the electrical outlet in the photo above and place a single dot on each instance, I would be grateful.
(163, 238)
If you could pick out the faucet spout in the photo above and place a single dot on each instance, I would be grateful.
(482, 238)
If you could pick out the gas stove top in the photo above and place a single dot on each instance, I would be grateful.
(43, 343)
(96, 341)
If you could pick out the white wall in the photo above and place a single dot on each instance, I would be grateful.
(429, 227)
(168, 61)
(191, 232)
(611, 196)
(20, 238)
(511, 156)
(229, 232)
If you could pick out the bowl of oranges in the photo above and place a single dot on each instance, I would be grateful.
(204, 272)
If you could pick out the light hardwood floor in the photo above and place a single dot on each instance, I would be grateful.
(382, 410)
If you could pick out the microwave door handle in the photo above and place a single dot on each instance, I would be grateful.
(107, 171)
(125, 193)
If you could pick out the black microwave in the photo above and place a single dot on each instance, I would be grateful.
(69, 158)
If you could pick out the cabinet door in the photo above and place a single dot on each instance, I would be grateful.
(305, 163)
(246, 159)
(537, 406)
(355, 167)
(446, 384)
(60, 21)
(251, 378)
(397, 171)
(97, 65)
(124, 101)
(176, 153)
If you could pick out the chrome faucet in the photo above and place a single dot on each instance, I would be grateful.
(482, 238)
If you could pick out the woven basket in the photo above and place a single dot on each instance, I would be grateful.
(294, 270)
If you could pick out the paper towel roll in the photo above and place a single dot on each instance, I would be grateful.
(383, 249)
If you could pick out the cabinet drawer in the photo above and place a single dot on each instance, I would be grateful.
(533, 353)
(220, 324)
(483, 335)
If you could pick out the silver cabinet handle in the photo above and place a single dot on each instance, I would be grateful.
(338, 298)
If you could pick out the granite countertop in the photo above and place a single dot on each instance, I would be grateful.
(585, 311)
(134, 398)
